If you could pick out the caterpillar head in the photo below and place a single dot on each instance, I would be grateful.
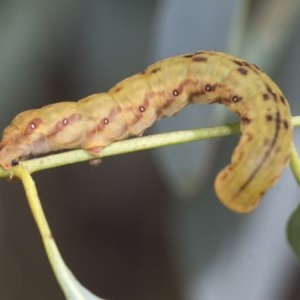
(18, 139)
(13, 147)
(9, 155)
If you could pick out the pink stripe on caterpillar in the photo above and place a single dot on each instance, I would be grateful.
(163, 89)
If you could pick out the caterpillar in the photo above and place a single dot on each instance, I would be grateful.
(163, 89)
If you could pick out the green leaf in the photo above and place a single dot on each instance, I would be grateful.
(293, 232)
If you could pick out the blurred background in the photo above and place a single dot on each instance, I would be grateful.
(146, 225)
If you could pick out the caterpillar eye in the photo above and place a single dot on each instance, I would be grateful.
(14, 162)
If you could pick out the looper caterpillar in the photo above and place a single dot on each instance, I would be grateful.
(163, 89)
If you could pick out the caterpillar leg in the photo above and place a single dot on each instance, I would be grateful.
(95, 151)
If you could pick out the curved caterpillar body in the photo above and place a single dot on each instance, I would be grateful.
(163, 89)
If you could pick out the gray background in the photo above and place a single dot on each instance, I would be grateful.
(145, 225)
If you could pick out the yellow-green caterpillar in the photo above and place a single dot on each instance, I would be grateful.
(163, 89)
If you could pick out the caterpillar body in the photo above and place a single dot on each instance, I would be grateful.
(163, 89)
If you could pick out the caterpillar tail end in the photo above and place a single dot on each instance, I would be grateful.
(229, 193)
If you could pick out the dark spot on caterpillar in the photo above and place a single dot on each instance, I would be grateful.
(272, 93)
(142, 108)
(278, 121)
(243, 71)
(14, 162)
(245, 120)
(266, 96)
(99, 126)
(237, 62)
(175, 93)
(33, 124)
(155, 70)
(199, 59)
(282, 99)
(285, 124)
(118, 88)
(188, 55)
(251, 66)
(60, 125)
(269, 117)
(256, 67)
(210, 87)
(236, 99)
(202, 52)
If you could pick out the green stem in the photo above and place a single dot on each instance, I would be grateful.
(295, 164)
(126, 146)
(68, 283)
(131, 145)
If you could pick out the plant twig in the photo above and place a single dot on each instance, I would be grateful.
(71, 288)
(126, 146)
(295, 164)
(131, 145)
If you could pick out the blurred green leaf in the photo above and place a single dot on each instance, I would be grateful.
(293, 232)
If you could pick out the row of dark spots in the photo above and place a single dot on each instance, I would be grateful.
(278, 121)
(196, 57)
(270, 91)
(266, 155)
(212, 87)
(155, 70)
(151, 71)
(243, 63)
(244, 71)
(266, 96)
(197, 53)
(36, 122)
(188, 55)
